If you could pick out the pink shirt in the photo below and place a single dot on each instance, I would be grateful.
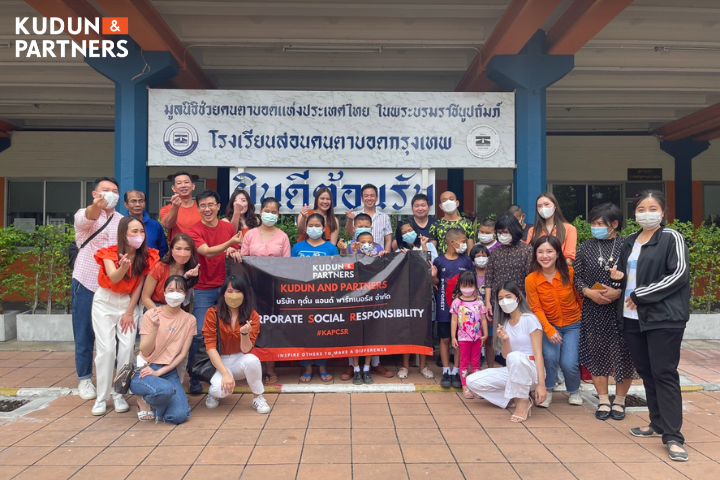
(277, 246)
(86, 268)
(166, 325)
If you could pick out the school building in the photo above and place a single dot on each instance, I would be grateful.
(611, 96)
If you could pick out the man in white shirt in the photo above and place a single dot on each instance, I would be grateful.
(381, 227)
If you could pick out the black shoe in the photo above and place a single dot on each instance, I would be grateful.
(456, 382)
(645, 432)
(366, 378)
(677, 456)
(195, 387)
(445, 382)
(617, 415)
(357, 378)
(603, 414)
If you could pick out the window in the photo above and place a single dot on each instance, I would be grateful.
(62, 200)
(25, 202)
(492, 199)
(577, 200)
(711, 204)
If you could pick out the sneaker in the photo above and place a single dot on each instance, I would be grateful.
(445, 382)
(427, 373)
(455, 381)
(195, 387)
(575, 399)
(99, 408)
(357, 378)
(261, 405)
(87, 389)
(366, 378)
(211, 402)
(547, 401)
(121, 406)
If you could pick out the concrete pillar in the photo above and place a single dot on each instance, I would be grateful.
(683, 151)
(133, 75)
(529, 73)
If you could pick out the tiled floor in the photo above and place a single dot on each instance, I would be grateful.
(343, 436)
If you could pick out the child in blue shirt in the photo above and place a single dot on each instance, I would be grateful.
(316, 244)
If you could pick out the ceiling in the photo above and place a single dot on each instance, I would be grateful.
(654, 63)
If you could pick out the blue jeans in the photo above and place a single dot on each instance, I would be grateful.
(203, 299)
(83, 333)
(566, 354)
(165, 394)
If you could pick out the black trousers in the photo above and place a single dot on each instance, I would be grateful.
(656, 355)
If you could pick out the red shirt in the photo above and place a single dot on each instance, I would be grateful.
(212, 270)
(160, 272)
(125, 285)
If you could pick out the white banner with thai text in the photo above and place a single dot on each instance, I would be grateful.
(296, 187)
(240, 128)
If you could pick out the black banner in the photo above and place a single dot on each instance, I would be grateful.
(340, 306)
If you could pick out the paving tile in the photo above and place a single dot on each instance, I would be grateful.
(214, 472)
(326, 454)
(331, 409)
(574, 453)
(309, 471)
(291, 410)
(527, 453)
(368, 398)
(377, 454)
(329, 421)
(374, 421)
(188, 437)
(275, 455)
(651, 471)
(503, 436)
(698, 470)
(45, 438)
(604, 435)
(370, 409)
(94, 438)
(473, 453)
(327, 436)
(562, 435)
(239, 436)
(47, 473)
(331, 399)
(224, 455)
(11, 437)
(9, 471)
(173, 455)
(287, 421)
(70, 456)
(394, 398)
(282, 436)
(540, 471)
(709, 450)
(119, 456)
(105, 472)
(279, 472)
(464, 436)
(140, 438)
(597, 471)
(243, 421)
(408, 421)
(375, 471)
(295, 399)
(414, 409)
(448, 471)
(379, 436)
(488, 471)
(451, 422)
(626, 453)
(423, 454)
(420, 436)
(165, 472)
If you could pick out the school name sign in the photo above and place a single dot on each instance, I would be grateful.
(235, 128)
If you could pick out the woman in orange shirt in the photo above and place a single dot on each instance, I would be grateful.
(239, 327)
(549, 220)
(115, 309)
(180, 260)
(553, 299)
(324, 206)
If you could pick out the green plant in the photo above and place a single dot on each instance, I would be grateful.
(47, 260)
(11, 281)
(286, 223)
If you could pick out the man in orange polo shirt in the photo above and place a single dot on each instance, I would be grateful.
(182, 212)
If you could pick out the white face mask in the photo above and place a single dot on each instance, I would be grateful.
(314, 232)
(462, 248)
(505, 238)
(546, 212)
(508, 305)
(486, 238)
(481, 262)
(173, 299)
(648, 220)
(111, 197)
(449, 206)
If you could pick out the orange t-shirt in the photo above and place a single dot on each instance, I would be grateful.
(125, 285)
(186, 218)
(229, 338)
(569, 246)
(555, 304)
(167, 324)
(303, 236)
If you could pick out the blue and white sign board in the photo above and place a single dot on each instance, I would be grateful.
(296, 187)
(331, 130)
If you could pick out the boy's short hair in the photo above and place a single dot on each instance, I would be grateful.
(363, 234)
(208, 194)
(488, 222)
(181, 174)
(454, 233)
(478, 248)
(362, 216)
(369, 185)
(419, 197)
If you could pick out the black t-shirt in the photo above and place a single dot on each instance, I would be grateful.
(425, 232)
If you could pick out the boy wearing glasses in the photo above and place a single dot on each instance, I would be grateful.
(212, 237)
(154, 232)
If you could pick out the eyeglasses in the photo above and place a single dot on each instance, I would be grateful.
(137, 202)
(209, 206)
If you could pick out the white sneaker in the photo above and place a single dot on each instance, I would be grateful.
(87, 389)
(99, 408)
(261, 405)
(121, 406)
(575, 399)
(211, 402)
(547, 401)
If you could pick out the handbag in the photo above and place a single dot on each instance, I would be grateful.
(202, 368)
(73, 248)
(121, 382)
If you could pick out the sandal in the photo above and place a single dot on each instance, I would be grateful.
(681, 456)
(467, 393)
(427, 373)
(603, 414)
(617, 414)
(325, 376)
(515, 418)
(403, 373)
(145, 415)
(304, 377)
(270, 378)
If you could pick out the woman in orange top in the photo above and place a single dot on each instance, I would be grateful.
(549, 220)
(324, 206)
(181, 260)
(115, 310)
(552, 296)
(239, 327)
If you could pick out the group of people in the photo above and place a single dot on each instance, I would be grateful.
(525, 294)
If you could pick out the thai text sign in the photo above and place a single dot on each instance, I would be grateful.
(331, 129)
(340, 306)
(296, 187)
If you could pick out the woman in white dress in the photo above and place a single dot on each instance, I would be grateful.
(519, 337)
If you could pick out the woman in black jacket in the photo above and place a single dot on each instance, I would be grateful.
(653, 267)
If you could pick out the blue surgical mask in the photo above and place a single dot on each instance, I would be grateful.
(409, 237)
(314, 232)
(269, 219)
(601, 233)
(360, 230)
